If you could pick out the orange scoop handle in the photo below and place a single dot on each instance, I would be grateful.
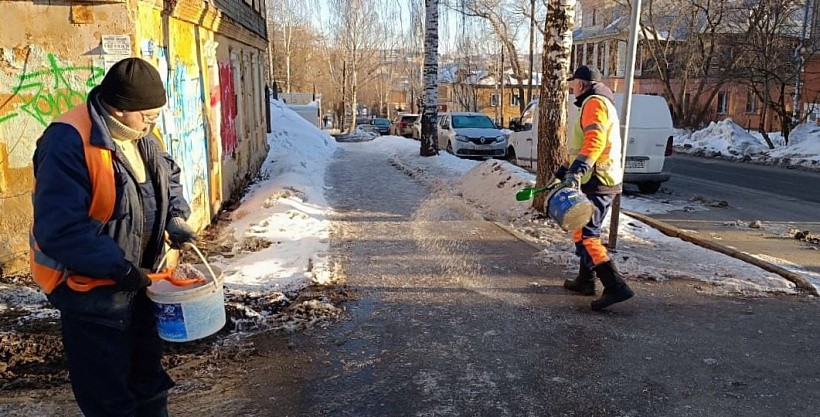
(184, 282)
(164, 274)
(168, 275)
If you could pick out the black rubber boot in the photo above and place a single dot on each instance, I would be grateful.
(584, 283)
(615, 289)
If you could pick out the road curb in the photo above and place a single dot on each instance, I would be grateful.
(669, 230)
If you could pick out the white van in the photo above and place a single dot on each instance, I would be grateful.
(650, 139)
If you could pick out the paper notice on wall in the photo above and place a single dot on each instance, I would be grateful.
(116, 44)
(110, 60)
(147, 48)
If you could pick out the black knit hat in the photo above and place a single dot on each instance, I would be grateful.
(133, 84)
(586, 73)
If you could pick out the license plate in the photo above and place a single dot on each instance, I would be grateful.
(635, 164)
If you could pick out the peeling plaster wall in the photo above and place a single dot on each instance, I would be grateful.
(45, 68)
(243, 129)
(173, 46)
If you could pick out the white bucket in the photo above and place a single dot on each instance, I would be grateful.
(192, 312)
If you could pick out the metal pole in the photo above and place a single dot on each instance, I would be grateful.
(798, 57)
(501, 99)
(532, 42)
(626, 105)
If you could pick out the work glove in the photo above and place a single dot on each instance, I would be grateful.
(561, 172)
(179, 233)
(134, 280)
(571, 180)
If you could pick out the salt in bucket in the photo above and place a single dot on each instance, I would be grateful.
(192, 312)
(569, 207)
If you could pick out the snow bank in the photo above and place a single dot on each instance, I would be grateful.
(281, 227)
(721, 138)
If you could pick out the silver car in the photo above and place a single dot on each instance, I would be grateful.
(467, 135)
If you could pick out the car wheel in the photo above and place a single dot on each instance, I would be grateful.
(649, 187)
(511, 156)
(450, 147)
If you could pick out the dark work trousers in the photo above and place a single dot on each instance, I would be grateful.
(117, 372)
(588, 239)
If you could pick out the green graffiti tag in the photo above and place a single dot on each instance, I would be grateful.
(48, 93)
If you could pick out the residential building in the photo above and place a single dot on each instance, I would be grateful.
(479, 90)
(728, 85)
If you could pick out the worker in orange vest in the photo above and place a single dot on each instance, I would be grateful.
(594, 166)
(105, 195)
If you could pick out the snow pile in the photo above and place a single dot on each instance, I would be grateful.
(491, 186)
(724, 138)
(16, 297)
(803, 148)
(281, 225)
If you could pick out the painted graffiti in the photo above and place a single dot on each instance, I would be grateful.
(183, 126)
(46, 94)
(228, 99)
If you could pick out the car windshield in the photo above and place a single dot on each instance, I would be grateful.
(480, 122)
(381, 122)
(409, 119)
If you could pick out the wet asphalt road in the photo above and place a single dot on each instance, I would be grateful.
(782, 199)
(452, 318)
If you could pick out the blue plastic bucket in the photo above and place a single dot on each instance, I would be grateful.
(192, 312)
(570, 208)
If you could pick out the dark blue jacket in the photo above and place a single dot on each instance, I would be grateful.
(65, 232)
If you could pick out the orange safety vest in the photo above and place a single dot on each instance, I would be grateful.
(47, 272)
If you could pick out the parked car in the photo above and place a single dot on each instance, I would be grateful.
(467, 134)
(403, 125)
(417, 126)
(650, 140)
(381, 125)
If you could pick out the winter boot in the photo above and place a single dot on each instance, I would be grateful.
(584, 283)
(615, 289)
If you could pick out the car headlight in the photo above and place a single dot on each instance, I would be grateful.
(462, 138)
(500, 138)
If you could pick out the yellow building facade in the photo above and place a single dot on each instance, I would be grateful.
(213, 66)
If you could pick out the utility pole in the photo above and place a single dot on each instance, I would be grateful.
(626, 105)
(532, 42)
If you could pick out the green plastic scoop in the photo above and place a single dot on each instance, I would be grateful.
(530, 192)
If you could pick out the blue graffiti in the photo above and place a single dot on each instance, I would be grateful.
(185, 130)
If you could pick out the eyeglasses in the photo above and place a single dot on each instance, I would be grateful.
(150, 117)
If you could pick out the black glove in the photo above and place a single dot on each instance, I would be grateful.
(562, 170)
(179, 233)
(134, 280)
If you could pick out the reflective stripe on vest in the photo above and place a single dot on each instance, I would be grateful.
(608, 166)
(47, 272)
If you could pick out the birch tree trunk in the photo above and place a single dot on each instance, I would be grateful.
(429, 135)
(552, 109)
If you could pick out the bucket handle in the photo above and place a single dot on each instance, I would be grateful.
(201, 256)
